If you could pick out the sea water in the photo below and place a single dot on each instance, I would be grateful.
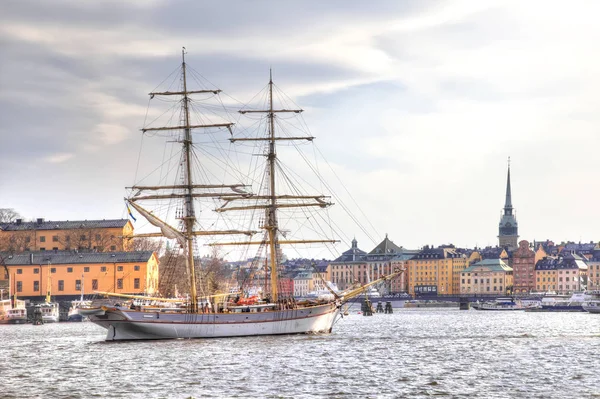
(412, 353)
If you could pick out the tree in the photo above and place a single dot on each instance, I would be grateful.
(8, 215)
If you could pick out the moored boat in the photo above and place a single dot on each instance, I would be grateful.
(12, 311)
(500, 304)
(591, 303)
(561, 303)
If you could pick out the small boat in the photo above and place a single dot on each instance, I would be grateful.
(50, 312)
(75, 311)
(499, 304)
(13, 311)
(561, 303)
(592, 302)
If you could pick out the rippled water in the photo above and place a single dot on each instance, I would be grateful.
(413, 353)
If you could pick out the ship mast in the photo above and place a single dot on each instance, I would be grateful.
(271, 222)
(189, 218)
(186, 237)
(275, 201)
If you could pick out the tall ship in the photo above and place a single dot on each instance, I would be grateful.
(205, 312)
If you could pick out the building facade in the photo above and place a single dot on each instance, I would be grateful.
(69, 273)
(45, 235)
(436, 271)
(523, 264)
(564, 274)
(487, 277)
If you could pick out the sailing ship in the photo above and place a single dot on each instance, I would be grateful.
(271, 311)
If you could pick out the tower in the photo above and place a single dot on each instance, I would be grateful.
(508, 234)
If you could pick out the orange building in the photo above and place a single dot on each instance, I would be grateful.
(69, 273)
(46, 235)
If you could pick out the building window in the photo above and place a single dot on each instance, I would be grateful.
(36, 286)
(19, 271)
(136, 283)
(98, 237)
(42, 249)
(28, 239)
(53, 270)
(19, 286)
(61, 285)
(113, 248)
(136, 268)
(103, 269)
(69, 270)
(54, 238)
(82, 238)
(94, 284)
(86, 269)
(77, 285)
(119, 268)
(36, 271)
(55, 248)
(42, 239)
(68, 238)
(119, 283)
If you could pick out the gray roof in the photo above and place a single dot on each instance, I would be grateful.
(73, 257)
(494, 265)
(42, 224)
(386, 247)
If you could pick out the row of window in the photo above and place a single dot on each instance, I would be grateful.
(86, 269)
(67, 238)
(61, 285)
(499, 288)
(480, 281)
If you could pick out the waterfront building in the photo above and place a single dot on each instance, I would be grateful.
(67, 273)
(45, 235)
(594, 271)
(488, 276)
(436, 271)
(508, 234)
(523, 264)
(303, 283)
(564, 274)
(355, 266)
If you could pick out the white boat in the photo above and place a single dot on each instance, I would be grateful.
(50, 312)
(215, 314)
(500, 304)
(77, 310)
(12, 311)
(562, 303)
(591, 303)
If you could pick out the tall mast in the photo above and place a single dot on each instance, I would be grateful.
(189, 217)
(271, 224)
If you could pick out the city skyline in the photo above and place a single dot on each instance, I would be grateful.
(417, 107)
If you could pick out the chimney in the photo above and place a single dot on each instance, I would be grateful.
(40, 220)
(31, 259)
(19, 221)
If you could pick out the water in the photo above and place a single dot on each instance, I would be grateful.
(416, 353)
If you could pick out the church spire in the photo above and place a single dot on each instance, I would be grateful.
(508, 203)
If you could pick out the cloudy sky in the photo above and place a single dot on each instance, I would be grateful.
(416, 104)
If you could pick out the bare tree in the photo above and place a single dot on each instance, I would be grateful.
(8, 215)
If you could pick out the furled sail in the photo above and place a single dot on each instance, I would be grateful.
(166, 229)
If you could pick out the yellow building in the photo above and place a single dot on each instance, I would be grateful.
(46, 235)
(488, 276)
(436, 270)
(68, 273)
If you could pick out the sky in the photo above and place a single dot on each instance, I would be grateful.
(417, 105)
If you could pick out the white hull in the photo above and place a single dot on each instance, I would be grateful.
(591, 307)
(124, 324)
